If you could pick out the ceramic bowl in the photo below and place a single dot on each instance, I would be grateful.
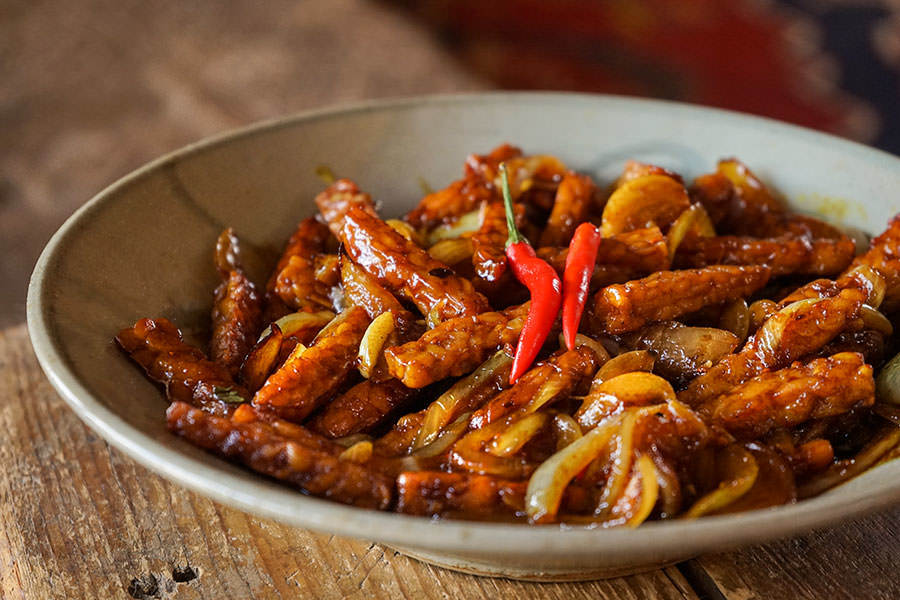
(143, 247)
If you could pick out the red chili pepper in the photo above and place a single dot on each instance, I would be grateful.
(577, 278)
(542, 282)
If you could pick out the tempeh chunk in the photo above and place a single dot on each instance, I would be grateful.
(337, 199)
(783, 255)
(884, 257)
(362, 407)
(669, 294)
(187, 374)
(258, 446)
(558, 377)
(574, 198)
(237, 308)
(308, 379)
(408, 270)
(455, 347)
(433, 493)
(489, 242)
(822, 388)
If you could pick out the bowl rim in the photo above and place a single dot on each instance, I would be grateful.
(292, 507)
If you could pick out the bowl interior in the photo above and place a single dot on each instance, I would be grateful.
(143, 247)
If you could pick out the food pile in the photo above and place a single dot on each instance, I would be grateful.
(526, 345)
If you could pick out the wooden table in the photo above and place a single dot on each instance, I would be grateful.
(79, 519)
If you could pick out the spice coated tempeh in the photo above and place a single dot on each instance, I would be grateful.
(375, 373)
(408, 270)
(670, 294)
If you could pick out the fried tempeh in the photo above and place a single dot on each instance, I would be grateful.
(463, 195)
(433, 493)
(558, 377)
(489, 242)
(784, 337)
(258, 446)
(237, 308)
(669, 294)
(362, 407)
(188, 376)
(572, 205)
(295, 281)
(884, 257)
(307, 379)
(455, 347)
(783, 255)
(337, 199)
(821, 388)
(408, 270)
(361, 289)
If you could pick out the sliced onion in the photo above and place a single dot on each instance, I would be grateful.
(471, 451)
(736, 319)
(349, 440)
(261, 360)
(741, 469)
(511, 439)
(469, 222)
(683, 352)
(694, 219)
(584, 340)
(636, 360)
(642, 202)
(549, 481)
(360, 452)
(524, 170)
(760, 311)
(441, 411)
(452, 251)
(874, 282)
(637, 389)
(448, 436)
(294, 322)
(873, 319)
(406, 230)
(567, 430)
(621, 460)
(373, 341)
(649, 491)
(887, 386)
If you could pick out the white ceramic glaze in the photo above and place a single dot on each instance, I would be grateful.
(143, 247)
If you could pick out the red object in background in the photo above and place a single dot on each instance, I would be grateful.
(739, 54)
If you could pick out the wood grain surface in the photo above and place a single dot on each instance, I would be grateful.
(79, 519)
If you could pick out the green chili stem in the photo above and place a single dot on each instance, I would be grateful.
(515, 236)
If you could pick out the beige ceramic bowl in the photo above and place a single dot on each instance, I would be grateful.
(143, 247)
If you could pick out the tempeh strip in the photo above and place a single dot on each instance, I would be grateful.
(308, 379)
(237, 308)
(294, 280)
(669, 294)
(822, 388)
(435, 493)
(783, 255)
(572, 205)
(489, 242)
(337, 199)
(455, 347)
(408, 270)
(784, 337)
(259, 447)
(638, 252)
(362, 407)
(884, 257)
(558, 377)
(361, 289)
(157, 345)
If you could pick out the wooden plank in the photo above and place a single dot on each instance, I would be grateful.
(81, 520)
(856, 560)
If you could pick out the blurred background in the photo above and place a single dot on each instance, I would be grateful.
(90, 90)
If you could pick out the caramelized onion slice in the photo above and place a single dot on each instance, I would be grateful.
(448, 436)
(683, 352)
(294, 322)
(887, 386)
(441, 411)
(739, 470)
(873, 319)
(735, 318)
(637, 360)
(373, 341)
(452, 251)
(510, 440)
(644, 202)
(359, 453)
(470, 222)
(567, 430)
(549, 481)
(694, 219)
(649, 491)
